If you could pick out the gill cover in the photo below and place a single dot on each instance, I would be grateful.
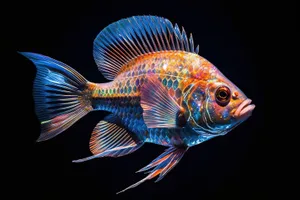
(194, 96)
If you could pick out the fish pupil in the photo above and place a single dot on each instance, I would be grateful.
(223, 94)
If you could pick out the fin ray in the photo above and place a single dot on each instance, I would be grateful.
(111, 139)
(163, 164)
(131, 37)
(160, 110)
(59, 95)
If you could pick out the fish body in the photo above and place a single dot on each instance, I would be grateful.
(160, 91)
(173, 69)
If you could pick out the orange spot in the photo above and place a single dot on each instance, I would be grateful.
(171, 92)
(157, 172)
(91, 86)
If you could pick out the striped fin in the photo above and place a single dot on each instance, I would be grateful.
(131, 37)
(160, 110)
(110, 139)
(61, 95)
(162, 165)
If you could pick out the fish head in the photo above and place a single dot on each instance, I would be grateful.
(217, 106)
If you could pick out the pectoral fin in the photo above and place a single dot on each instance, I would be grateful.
(160, 110)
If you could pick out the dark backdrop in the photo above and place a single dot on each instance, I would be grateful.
(231, 35)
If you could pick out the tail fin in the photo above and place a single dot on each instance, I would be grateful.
(61, 95)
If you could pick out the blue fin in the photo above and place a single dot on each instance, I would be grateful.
(111, 139)
(160, 110)
(60, 95)
(162, 165)
(131, 37)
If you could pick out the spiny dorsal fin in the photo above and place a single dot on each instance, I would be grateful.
(128, 38)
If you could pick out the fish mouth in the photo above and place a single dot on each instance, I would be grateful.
(244, 110)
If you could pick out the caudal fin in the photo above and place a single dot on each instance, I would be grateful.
(61, 95)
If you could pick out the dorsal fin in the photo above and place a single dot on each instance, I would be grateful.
(129, 38)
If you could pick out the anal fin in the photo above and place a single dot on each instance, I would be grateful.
(111, 139)
(162, 165)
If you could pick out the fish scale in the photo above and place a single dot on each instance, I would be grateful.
(130, 114)
(122, 95)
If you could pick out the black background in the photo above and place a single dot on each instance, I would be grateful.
(232, 35)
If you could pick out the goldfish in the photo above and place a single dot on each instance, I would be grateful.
(159, 90)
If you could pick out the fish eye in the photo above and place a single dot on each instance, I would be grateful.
(223, 95)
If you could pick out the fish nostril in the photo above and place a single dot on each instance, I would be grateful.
(235, 95)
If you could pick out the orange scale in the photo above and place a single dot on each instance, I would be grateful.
(171, 92)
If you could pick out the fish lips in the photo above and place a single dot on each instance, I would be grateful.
(244, 110)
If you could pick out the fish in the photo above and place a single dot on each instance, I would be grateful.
(159, 90)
